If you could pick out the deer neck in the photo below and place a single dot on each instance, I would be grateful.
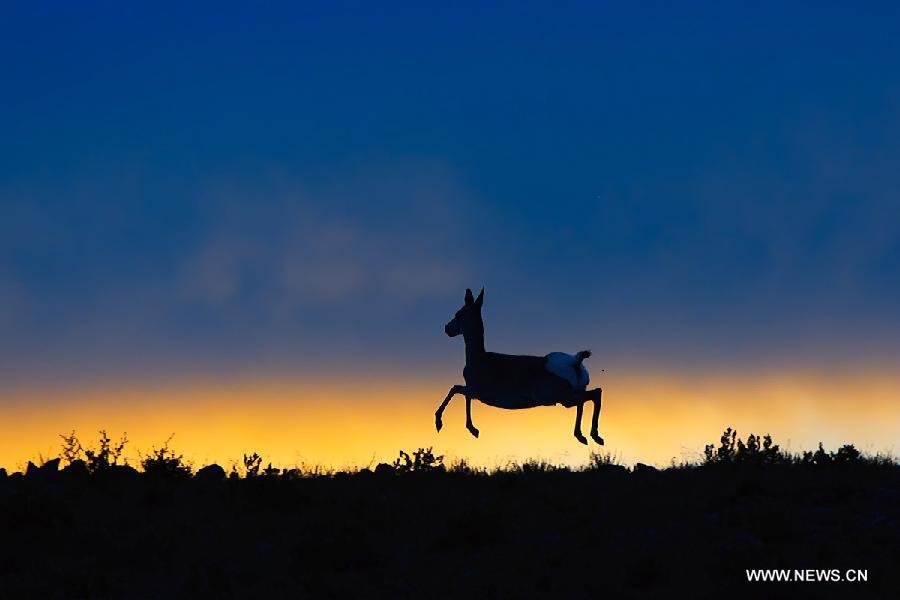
(474, 344)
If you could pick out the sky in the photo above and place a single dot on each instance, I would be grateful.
(209, 208)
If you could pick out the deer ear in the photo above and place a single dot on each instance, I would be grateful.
(480, 299)
(469, 298)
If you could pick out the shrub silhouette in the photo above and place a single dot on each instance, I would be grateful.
(422, 460)
(820, 457)
(847, 454)
(763, 451)
(71, 448)
(163, 462)
(252, 463)
(732, 450)
(105, 456)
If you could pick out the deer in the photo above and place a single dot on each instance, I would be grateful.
(516, 382)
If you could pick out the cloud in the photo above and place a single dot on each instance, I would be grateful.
(372, 240)
(227, 271)
(213, 274)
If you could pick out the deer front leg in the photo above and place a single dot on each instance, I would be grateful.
(456, 389)
(597, 397)
(579, 408)
(469, 425)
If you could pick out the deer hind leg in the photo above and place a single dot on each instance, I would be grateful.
(579, 408)
(456, 389)
(469, 425)
(597, 396)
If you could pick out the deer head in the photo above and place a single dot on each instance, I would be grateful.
(467, 320)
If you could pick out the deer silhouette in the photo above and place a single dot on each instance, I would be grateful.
(513, 382)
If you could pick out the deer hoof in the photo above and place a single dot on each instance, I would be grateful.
(473, 431)
(580, 437)
(597, 438)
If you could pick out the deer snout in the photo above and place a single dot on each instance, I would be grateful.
(452, 328)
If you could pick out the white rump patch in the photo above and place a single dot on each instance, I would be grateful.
(564, 365)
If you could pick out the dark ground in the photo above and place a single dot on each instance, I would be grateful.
(603, 533)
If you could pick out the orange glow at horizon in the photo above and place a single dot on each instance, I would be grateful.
(650, 418)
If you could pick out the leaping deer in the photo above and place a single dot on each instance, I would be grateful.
(509, 381)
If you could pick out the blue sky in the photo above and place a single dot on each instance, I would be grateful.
(235, 187)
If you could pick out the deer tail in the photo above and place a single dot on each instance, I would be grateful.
(582, 355)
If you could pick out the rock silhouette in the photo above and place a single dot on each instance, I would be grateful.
(211, 473)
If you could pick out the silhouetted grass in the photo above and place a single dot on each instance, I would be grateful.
(731, 452)
(88, 525)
